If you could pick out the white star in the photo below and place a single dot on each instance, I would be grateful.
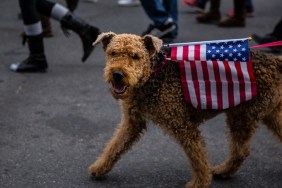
(235, 50)
(235, 59)
(230, 55)
(244, 59)
(230, 46)
(213, 55)
(226, 51)
(239, 45)
(239, 54)
(221, 55)
(243, 49)
(209, 51)
(213, 47)
(217, 51)
(221, 47)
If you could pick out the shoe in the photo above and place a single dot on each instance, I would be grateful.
(249, 13)
(168, 38)
(232, 22)
(128, 3)
(91, 1)
(160, 31)
(189, 2)
(34, 63)
(87, 33)
(209, 17)
(198, 8)
(267, 39)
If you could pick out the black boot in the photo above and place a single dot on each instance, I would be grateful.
(268, 38)
(86, 32)
(213, 15)
(239, 18)
(36, 61)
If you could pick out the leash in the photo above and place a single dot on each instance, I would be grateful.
(163, 63)
(271, 44)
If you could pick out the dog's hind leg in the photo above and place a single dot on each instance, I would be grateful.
(273, 122)
(241, 131)
(128, 132)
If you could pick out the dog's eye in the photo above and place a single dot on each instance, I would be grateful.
(113, 53)
(135, 57)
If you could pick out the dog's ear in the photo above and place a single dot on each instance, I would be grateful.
(105, 38)
(153, 44)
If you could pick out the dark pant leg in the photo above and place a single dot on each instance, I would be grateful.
(29, 12)
(45, 7)
(277, 32)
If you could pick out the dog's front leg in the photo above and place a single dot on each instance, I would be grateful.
(194, 147)
(128, 132)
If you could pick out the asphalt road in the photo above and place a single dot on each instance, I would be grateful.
(54, 125)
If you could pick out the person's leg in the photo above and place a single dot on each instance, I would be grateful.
(277, 32)
(36, 61)
(171, 7)
(155, 11)
(249, 5)
(163, 21)
(213, 15)
(238, 20)
(274, 36)
(86, 32)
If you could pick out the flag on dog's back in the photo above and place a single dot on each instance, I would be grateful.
(215, 74)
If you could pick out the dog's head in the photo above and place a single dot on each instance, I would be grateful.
(128, 60)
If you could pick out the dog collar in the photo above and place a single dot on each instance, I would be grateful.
(160, 62)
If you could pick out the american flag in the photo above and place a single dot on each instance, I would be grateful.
(215, 74)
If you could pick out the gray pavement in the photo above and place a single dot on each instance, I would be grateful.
(54, 125)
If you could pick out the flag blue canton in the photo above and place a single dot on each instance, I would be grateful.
(228, 51)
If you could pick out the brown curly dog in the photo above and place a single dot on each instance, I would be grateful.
(157, 96)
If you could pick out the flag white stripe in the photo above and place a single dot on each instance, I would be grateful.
(248, 88)
(222, 72)
(236, 87)
(179, 53)
(202, 87)
(203, 42)
(190, 83)
(213, 85)
(203, 53)
(191, 53)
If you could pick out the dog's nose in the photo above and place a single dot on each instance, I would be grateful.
(118, 76)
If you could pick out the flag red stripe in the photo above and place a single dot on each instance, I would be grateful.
(184, 82)
(218, 84)
(207, 84)
(230, 83)
(197, 52)
(185, 52)
(173, 53)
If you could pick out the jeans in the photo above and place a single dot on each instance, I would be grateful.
(159, 12)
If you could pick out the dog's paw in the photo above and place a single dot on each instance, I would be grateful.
(97, 170)
(221, 172)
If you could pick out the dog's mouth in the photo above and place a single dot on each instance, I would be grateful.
(119, 88)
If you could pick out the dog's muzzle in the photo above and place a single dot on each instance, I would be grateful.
(119, 87)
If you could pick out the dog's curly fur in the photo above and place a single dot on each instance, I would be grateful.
(158, 96)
